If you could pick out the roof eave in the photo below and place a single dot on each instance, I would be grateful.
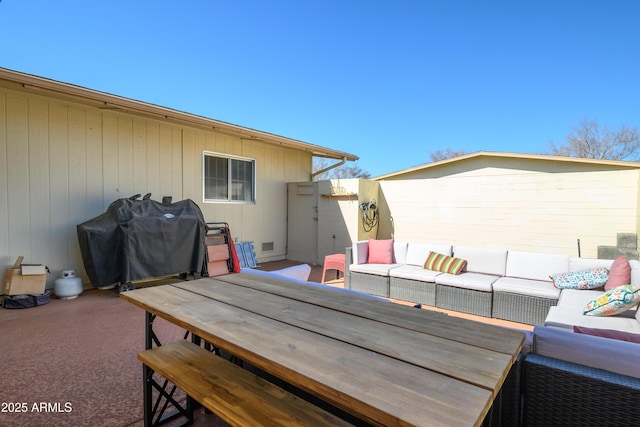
(618, 163)
(105, 100)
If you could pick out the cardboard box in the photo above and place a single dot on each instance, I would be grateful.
(28, 269)
(16, 284)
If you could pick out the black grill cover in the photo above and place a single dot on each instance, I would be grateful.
(142, 239)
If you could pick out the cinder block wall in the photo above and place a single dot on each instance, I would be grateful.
(627, 246)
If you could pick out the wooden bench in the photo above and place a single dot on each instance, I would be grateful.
(236, 395)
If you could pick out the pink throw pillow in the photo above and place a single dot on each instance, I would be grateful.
(619, 274)
(380, 251)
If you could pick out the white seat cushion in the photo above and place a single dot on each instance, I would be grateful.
(377, 269)
(400, 252)
(534, 288)
(300, 272)
(568, 317)
(475, 281)
(577, 298)
(536, 266)
(483, 260)
(597, 352)
(417, 253)
(577, 264)
(414, 272)
(360, 252)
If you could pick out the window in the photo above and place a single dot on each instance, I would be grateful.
(228, 179)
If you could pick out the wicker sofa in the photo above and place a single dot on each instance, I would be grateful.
(550, 388)
(525, 293)
(580, 364)
(562, 377)
(472, 290)
(593, 357)
(500, 283)
(579, 379)
(576, 365)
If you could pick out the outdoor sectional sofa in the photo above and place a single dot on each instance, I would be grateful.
(582, 369)
(574, 369)
(499, 283)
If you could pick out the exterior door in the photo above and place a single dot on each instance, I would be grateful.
(302, 222)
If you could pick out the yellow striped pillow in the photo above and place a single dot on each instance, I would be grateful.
(444, 263)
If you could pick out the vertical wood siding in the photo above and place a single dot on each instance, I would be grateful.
(63, 163)
(264, 221)
(4, 179)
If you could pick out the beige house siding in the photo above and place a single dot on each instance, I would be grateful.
(545, 208)
(64, 162)
(265, 221)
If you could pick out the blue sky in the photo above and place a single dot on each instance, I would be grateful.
(390, 81)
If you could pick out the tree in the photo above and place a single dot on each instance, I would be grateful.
(590, 140)
(341, 172)
(438, 155)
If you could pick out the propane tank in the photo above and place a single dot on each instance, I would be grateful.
(68, 286)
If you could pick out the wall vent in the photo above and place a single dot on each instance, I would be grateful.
(267, 246)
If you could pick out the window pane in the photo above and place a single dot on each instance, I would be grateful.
(216, 178)
(228, 179)
(241, 180)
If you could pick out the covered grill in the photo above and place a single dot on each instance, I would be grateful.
(142, 239)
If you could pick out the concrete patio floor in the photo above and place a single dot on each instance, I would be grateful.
(82, 352)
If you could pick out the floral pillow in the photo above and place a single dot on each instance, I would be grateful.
(584, 279)
(614, 301)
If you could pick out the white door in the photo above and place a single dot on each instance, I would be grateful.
(302, 222)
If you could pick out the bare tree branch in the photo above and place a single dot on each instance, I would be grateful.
(445, 154)
(341, 172)
(590, 140)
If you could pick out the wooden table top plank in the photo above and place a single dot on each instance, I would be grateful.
(475, 365)
(491, 337)
(368, 384)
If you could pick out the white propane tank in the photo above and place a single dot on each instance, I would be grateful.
(68, 286)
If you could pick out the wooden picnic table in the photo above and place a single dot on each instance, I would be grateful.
(385, 363)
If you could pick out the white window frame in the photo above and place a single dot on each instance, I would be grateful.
(229, 178)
